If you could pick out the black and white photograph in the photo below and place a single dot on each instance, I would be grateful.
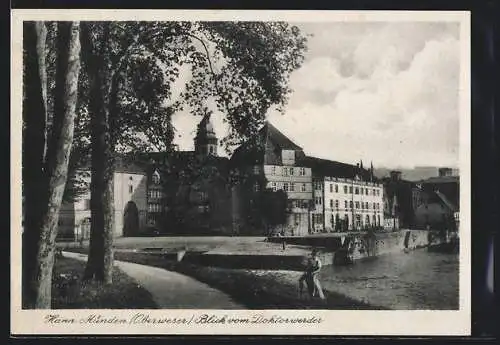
(240, 171)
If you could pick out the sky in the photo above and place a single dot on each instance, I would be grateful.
(381, 92)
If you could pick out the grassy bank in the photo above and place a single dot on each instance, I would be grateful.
(70, 292)
(254, 289)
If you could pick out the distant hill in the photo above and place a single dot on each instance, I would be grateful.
(411, 174)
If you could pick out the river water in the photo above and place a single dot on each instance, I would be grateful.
(415, 280)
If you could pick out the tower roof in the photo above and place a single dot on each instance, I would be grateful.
(205, 127)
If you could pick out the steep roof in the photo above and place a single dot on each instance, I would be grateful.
(272, 134)
(182, 160)
(325, 167)
(254, 150)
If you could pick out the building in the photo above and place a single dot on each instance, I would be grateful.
(193, 193)
(438, 205)
(130, 204)
(272, 162)
(155, 197)
(346, 197)
(435, 212)
(399, 201)
(447, 182)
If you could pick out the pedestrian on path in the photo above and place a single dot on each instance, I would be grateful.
(310, 277)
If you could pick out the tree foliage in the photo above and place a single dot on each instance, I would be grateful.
(135, 69)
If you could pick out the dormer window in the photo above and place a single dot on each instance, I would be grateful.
(156, 177)
(288, 157)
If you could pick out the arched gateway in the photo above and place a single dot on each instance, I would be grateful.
(131, 219)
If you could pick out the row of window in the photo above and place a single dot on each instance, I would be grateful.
(289, 187)
(374, 220)
(364, 205)
(154, 194)
(286, 171)
(154, 208)
(349, 189)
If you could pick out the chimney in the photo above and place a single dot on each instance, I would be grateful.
(395, 175)
(445, 172)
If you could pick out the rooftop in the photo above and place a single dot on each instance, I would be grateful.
(324, 167)
(442, 179)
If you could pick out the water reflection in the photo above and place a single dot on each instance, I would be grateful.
(414, 280)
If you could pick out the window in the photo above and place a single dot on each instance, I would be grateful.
(345, 203)
(273, 170)
(131, 178)
(318, 200)
(285, 187)
(256, 187)
(374, 192)
(332, 221)
(318, 218)
(292, 187)
(356, 191)
(367, 191)
(357, 204)
(211, 149)
(130, 189)
(288, 157)
(296, 217)
(203, 196)
(291, 171)
(302, 171)
(361, 190)
(350, 190)
(156, 178)
(350, 204)
(362, 205)
(285, 172)
(345, 189)
(256, 169)
(331, 188)
(336, 204)
(298, 203)
(273, 186)
(336, 188)
(331, 203)
(303, 188)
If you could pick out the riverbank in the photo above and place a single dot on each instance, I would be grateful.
(70, 292)
(251, 288)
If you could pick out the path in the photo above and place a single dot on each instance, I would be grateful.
(172, 290)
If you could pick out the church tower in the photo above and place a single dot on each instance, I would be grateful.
(205, 142)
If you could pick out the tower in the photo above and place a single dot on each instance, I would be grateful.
(205, 142)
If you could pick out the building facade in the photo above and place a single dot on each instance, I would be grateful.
(346, 197)
(273, 162)
(130, 205)
(192, 193)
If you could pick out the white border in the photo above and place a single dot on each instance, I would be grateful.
(396, 323)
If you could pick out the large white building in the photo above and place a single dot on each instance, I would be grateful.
(346, 197)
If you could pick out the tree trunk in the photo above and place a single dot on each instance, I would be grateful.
(100, 260)
(34, 141)
(58, 151)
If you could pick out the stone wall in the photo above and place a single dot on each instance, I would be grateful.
(351, 246)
